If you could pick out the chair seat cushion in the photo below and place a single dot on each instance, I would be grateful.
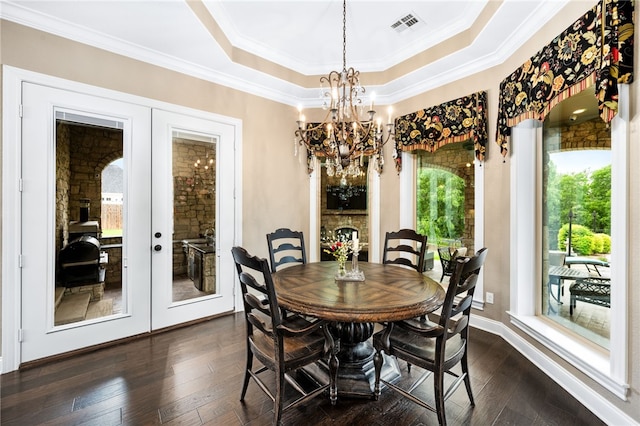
(294, 347)
(421, 347)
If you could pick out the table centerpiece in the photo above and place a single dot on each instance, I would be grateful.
(340, 249)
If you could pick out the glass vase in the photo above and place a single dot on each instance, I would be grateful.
(342, 270)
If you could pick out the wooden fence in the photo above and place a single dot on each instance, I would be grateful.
(111, 216)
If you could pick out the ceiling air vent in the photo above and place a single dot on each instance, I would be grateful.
(406, 22)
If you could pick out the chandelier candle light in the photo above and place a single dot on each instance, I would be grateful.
(355, 274)
(343, 138)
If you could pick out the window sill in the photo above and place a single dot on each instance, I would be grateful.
(585, 356)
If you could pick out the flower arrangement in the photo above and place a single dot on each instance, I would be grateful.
(340, 249)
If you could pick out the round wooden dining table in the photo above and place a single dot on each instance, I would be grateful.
(388, 293)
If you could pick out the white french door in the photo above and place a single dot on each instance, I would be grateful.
(145, 252)
(43, 109)
(192, 218)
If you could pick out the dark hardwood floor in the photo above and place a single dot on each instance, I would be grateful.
(193, 376)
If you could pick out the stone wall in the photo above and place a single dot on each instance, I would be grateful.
(91, 149)
(194, 195)
(63, 184)
(590, 134)
(180, 261)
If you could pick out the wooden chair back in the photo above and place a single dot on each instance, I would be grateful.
(286, 248)
(258, 293)
(405, 247)
(463, 280)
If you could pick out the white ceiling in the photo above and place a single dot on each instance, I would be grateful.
(303, 36)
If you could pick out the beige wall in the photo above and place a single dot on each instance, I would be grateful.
(273, 196)
(275, 189)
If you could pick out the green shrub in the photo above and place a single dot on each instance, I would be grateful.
(581, 239)
(597, 245)
(606, 243)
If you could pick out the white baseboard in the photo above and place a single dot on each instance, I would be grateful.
(601, 407)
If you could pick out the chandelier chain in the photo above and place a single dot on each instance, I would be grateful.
(344, 35)
(349, 135)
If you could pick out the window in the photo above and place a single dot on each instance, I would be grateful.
(607, 367)
(445, 195)
(444, 203)
(112, 199)
(576, 218)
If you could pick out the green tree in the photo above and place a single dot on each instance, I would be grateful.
(606, 243)
(598, 202)
(587, 196)
(440, 204)
(572, 190)
(553, 199)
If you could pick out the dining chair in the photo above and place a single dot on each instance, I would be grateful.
(447, 258)
(405, 247)
(282, 346)
(436, 347)
(286, 248)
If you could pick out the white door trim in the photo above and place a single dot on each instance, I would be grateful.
(11, 225)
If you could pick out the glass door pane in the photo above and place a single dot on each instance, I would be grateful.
(194, 216)
(89, 266)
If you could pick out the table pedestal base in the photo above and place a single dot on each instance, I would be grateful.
(356, 379)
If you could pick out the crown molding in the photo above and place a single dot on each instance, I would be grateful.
(478, 56)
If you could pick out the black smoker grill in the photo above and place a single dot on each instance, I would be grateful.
(80, 262)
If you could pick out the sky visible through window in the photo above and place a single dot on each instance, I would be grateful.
(579, 161)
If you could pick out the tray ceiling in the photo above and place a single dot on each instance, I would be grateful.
(278, 49)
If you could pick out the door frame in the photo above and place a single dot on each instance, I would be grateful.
(11, 209)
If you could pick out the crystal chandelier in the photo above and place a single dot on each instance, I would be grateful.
(344, 138)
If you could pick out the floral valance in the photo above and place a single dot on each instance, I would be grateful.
(596, 49)
(453, 121)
